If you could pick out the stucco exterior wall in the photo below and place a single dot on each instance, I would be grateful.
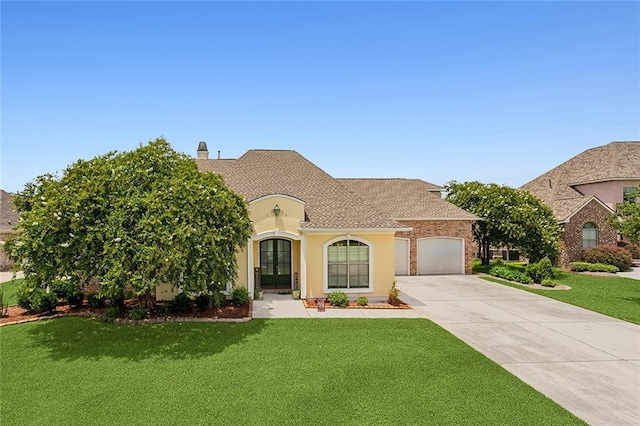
(383, 263)
(572, 235)
(609, 192)
(265, 220)
(438, 228)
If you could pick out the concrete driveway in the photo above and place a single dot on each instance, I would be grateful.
(587, 362)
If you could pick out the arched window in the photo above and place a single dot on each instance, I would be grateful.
(348, 265)
(589, 235)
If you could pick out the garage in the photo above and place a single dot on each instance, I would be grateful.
(440, 256)
(402, 256)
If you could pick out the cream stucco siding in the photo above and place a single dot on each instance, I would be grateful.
(383, 263)
(265, 220)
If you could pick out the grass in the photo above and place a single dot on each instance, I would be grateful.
(285, 371)
(614, 296)
(9, 288)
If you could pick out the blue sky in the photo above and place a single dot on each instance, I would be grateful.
(490, 91)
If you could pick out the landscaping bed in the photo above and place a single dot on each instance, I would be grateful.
(313, 303)
(16, 314)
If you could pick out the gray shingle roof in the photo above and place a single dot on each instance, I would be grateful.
(614, 161)
(328, 204)
(8, 217)
(406, 199)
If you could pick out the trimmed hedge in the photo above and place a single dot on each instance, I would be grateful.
(510, 274)
(609, 255)
(592, 267)
(540, 271)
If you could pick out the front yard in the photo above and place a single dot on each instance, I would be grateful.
(287, 371)
(611, 295)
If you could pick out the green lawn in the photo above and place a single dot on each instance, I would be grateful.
(9, 288)
(617, 297)
(288, 371)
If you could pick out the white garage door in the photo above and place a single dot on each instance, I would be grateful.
(440, 256)
(402, 257)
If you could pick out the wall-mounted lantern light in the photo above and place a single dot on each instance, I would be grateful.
(276, 210)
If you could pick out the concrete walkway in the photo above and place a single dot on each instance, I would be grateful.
(631, 273)
(8, 276)
(587, 362)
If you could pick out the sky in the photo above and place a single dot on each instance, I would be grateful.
(490, 91)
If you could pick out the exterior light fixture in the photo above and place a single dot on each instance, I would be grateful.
(276, 210)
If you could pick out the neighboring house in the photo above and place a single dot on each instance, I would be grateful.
(8, 217)
(319, 234)
(583, 193)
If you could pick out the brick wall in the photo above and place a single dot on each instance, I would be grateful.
(438, 228)
(572, 236)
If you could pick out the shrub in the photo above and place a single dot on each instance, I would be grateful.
(163, 310)
(338, 298)
(609, 255)
(112, 312)
(35, 299)
(116, 298)
(239, 296)
(203, 301)
(548, 282)
(63, 289)
(632, 248)
(181, 303)
(75, 299)
(362, 301)
(138, 313)
(3, 303)
(217, 299)
(592, 267)
(510, 275)
(540, 271)
(95, 300)
(394, 295)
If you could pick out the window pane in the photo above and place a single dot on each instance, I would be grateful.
(337, 254)
(358, 276)
(589, 235)
(337, 276)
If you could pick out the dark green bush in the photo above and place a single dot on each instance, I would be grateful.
(609, 255)
(116, 298)
(239, 296)
(112, 312)
(63, 289)
(217, 299)
(511, 275)
(338, 298)
(95, 300)
(540, 271)
(362, 301)
(35, 299)
(203, 301)
(138, 313)
(181, 303)
(75, 299)
(163, 310)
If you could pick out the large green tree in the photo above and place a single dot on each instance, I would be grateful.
(510, 217)
(137, 219)
(626, 220)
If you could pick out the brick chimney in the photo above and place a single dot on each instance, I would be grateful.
(203, 152)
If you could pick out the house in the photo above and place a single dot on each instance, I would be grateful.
(8, 217)
(319, 234)
(584, 191)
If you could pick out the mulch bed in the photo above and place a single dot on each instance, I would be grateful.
(16, 314)
(313, 303)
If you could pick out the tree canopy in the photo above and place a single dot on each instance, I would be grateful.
(626, 220)
(510, 217)
(137, 218)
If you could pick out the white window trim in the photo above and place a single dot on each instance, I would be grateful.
(325, 266)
